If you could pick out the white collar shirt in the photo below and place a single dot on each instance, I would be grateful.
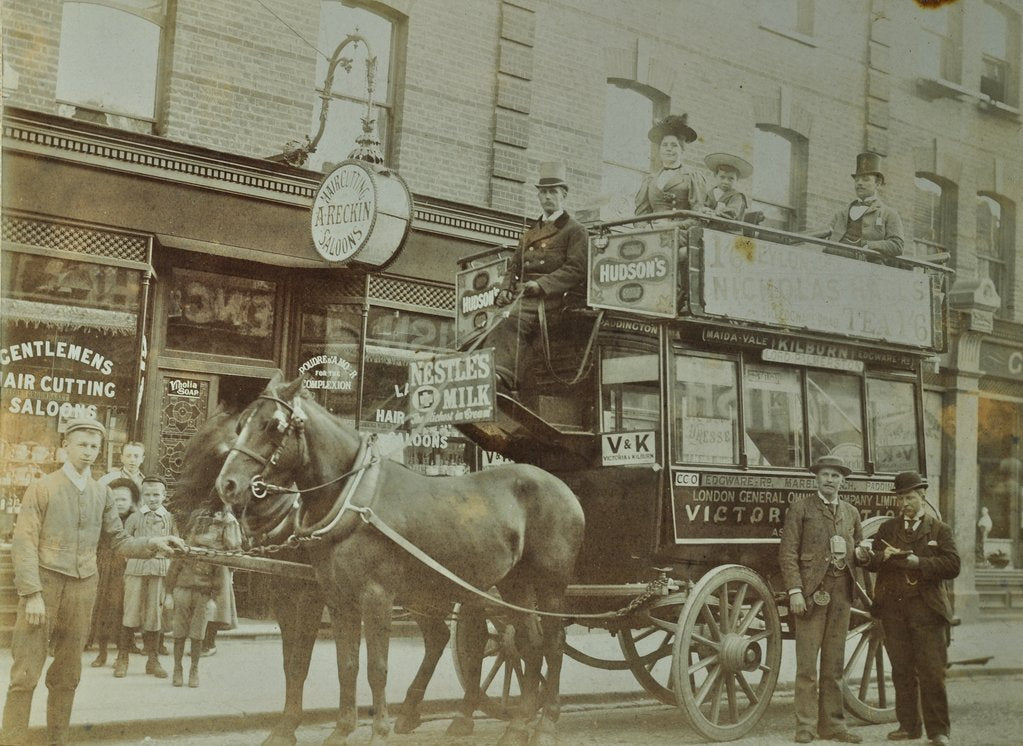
(78, 479)
(546, 219)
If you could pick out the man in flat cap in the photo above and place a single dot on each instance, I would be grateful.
(867, 222)
(549, 262)
(913, 553)
(818, 549)
(53, 549)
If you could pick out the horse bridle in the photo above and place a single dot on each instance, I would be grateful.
(258, 485)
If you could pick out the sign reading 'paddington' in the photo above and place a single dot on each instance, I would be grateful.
(344, 209)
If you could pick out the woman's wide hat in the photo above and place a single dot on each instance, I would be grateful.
(673, 124)
(868, 163)
(742, 167)
(831, 462)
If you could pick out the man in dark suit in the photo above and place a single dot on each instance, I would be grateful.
(866, 221)
(817, 552)
(550, 261)
(912, 554)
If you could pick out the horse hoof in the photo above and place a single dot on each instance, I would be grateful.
(461, 726)
(280, 739)
(407, 723)
(514, 735)
(336, 738)
(544, 734)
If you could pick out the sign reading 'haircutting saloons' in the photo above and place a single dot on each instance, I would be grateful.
(343, 212)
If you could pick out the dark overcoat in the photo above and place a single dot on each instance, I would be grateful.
(805, 548)
(551, 254)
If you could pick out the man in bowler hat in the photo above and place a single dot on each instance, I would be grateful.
(549, 262)
(53, 550)
(817, 552)
(866, 221)
(913, 553)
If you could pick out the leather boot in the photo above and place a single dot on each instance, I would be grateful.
(101, 658)
(153, 661)
(16, 714)
(58, 716)
(179, 655)
(193, 672)
(121, 664)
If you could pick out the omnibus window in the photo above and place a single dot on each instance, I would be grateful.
(706, 420)
(892, 421)
(836, 420)
(629, 393)
(773, 413)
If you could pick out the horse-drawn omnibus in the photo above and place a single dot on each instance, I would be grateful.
(711, 363)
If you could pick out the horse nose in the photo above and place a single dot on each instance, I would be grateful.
(226, 487)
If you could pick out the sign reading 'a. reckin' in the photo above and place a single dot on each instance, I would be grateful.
(343, 212)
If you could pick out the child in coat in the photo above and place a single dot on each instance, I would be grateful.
(109, 610)
(191, 589)
(144, 579)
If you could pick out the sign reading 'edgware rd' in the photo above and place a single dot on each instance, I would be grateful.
(452, 388)
(344, 210)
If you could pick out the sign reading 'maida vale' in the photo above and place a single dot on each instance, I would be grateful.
(452, 388)
(636, 273)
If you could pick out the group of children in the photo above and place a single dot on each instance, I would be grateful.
(159, 596)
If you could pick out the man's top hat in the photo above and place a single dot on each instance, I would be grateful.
(833, 462)
(868, 163)
(742, 167)
(84, 423)
(673, 124)
(908, 481)
(552, 173)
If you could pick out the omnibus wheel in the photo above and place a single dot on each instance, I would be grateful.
(648, 649)
(866, 686)
(727, 652)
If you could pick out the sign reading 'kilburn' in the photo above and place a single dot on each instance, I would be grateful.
(362, 214)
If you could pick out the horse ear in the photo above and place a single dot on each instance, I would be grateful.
(274, 382)
(293, 389)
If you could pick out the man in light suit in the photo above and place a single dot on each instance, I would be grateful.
(867, 222)
(550, 261)
(912, 554)
(817, 551)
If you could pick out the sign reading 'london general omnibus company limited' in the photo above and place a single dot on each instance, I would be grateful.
(799, 287)
(636, 272)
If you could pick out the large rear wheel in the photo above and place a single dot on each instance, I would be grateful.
(648, 649)
(867, 687)
(727, 652)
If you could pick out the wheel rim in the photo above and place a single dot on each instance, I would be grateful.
(649, 649)
(727, 652)
(867, 688)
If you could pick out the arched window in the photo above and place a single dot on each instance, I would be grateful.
(629, 111)
(1000, 46)
(348, 92)
(933, 216)
(779, 176)
(995, 242)
(109, 56)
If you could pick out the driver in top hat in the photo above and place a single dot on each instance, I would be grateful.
(818, 549)
(866, 221)
(550, 261)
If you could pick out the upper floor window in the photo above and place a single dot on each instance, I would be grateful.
(629, 110)
(933, 216)
(938, 46)
(779, 176)
(787, 16)
(109, 56)
(995, 242)
(1000, 45)
(348, 91)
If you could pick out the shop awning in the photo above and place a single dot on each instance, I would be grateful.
(69, 317)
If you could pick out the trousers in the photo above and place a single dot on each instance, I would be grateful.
(916, 638)
(822, 631)
(69, 604)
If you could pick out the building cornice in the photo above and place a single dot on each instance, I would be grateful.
(98, 146)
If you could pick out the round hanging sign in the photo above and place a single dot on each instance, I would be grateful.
(361, 213)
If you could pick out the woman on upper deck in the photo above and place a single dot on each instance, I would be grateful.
(673, 186)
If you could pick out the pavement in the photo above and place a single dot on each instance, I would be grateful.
(242, 686)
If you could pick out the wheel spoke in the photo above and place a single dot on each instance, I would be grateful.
(868, 664)
(758, 637)
(753, 613)
(707, 685)
(642, 635)
(715, 705)
(492, 673)
(733, 705)
(723, 607)
(703, 663)
(850, 665)
(746, 688)
(882, 688)
(740, 599)
(713, 644)
(708, 618)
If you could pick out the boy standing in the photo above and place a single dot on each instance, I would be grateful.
(54, 546)
(144, 578)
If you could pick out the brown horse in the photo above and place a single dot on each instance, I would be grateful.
(297, 604)
(515, 527)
